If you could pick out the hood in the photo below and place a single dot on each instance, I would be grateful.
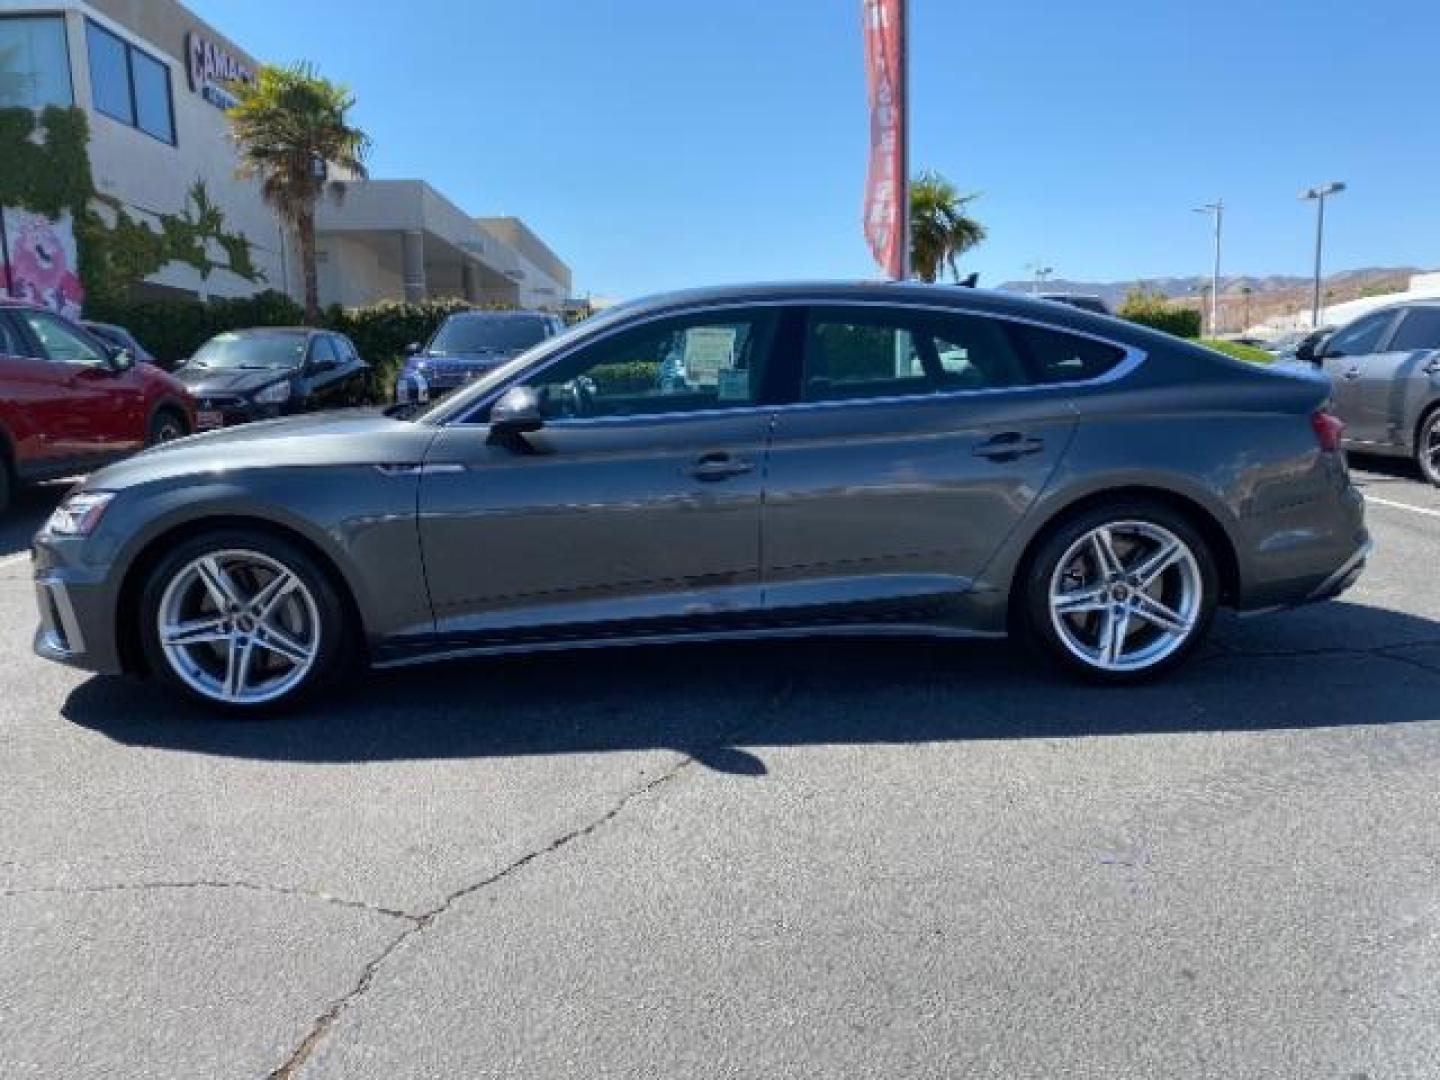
(204, 381)
(345, 437)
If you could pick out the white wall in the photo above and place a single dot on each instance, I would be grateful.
(151, 176)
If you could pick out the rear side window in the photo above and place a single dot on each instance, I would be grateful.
(1420, 329)
(1057, 357)
(860, 353)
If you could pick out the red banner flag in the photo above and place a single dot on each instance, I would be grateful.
(886, 187)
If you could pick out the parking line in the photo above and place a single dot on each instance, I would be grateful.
(1402, 506)
(14, 560)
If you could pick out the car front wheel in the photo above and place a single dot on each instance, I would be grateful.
(244, 621)
(1122, 594)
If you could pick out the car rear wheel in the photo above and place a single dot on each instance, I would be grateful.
(1122, 594)
(166, 426)
(243, 621)
(1427, 448)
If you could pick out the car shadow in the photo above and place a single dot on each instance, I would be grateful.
(1381, 469)
(29, 507)
(722, 703)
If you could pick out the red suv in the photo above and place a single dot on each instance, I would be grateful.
(70, 403)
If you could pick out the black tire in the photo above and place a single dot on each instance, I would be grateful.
(7, 482)
(334, 652)
(166, 425)
(1043, 569)
(1427, 447)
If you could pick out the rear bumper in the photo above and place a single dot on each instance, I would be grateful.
(1344, 577)
(1309, 553)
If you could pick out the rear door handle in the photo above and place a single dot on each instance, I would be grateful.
(719, 466)
(1009, 446)
(1353, 373)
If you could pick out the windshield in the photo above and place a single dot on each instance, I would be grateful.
(271, 350)
(481, 333)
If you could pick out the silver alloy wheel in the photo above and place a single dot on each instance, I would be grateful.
(1430, 448)
(1126, 595)
(239, 627)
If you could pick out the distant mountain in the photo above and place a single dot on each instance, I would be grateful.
(1265, 288)
(1272, 294)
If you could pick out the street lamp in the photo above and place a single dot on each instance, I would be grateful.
(1318, 194)
(1217, 211)
(1041, 272)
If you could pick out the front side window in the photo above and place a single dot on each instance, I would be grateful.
(861, 353)
(34, 62)
(1360, 338)
(60, 343)
(1419, 330)
(129, 85)
(678, 365)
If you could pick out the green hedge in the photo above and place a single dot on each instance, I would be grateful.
(1247, 353)
(1154, 310)
(174, 329)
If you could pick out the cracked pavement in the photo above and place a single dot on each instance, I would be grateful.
(868, 858)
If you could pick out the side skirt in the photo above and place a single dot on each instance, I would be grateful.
(847, 630)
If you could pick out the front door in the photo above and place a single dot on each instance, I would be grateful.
(1351, 356)
(636, 508)
(95, 411)
(1395, 385)
(920, 441)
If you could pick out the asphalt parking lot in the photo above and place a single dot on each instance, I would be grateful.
(870, 859)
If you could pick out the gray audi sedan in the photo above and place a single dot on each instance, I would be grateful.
(744, 462)
(1385, 368)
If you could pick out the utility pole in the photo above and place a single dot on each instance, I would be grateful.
(1217, 211)
(1318, 195)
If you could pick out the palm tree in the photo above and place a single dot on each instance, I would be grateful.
(291, 127)
(941, 230)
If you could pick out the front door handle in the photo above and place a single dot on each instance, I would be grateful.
(1009, 446)
(1353, 373)
(719, 466)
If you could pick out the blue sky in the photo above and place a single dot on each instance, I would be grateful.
(664, 143)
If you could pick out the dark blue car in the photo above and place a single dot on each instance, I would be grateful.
(470, 344)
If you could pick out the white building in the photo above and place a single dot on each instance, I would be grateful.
(1421, 287)
(149, 75)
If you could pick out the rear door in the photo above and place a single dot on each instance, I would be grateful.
(635, 507)
(1350, 354)
(1395, 384)
(920, 440)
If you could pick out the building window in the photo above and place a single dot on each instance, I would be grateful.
(129, 85)
(34, 62)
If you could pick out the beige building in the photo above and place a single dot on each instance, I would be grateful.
(150, 76)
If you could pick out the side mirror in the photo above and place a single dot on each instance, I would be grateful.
(412, 349)
(121, 361)
(1309, 352)
(516, 412)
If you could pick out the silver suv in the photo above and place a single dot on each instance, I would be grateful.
(1385, 367)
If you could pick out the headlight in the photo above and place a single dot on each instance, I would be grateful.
(79, 513)
(274, 394)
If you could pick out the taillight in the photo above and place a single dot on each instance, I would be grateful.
(1329, 429)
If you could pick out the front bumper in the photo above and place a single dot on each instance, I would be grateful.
(76, 604)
